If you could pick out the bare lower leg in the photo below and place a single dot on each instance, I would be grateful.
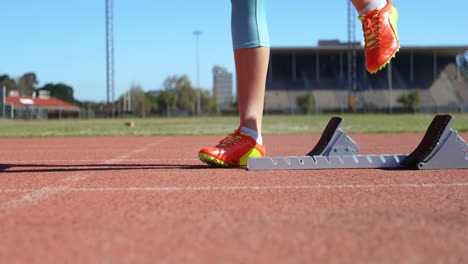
(360, 4)
(251, 69)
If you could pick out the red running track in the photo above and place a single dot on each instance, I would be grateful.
(149, 200)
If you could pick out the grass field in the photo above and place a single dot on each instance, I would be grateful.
(217, 125)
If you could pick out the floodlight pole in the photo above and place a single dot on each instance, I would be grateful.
(110, 53)
(107, 51)
(197, 34)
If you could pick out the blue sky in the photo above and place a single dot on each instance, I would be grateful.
(64, 41)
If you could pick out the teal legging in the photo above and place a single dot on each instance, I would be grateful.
(248, 24)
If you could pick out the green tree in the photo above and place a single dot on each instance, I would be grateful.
(410, 101)
(141, 105)
(172, 83)
(61, 91)
(305, 103)
(167, 101)
(207, 102)
(186, 94)
(26, 84)
(9, 83)
(187, 97)
(153, 101)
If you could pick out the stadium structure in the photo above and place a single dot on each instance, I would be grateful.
(42, 106)
(338, 85)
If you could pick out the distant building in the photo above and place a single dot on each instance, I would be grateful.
(42, 106)
(222, 88)
(322, 70)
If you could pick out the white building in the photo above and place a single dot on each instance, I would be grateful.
(222, 88)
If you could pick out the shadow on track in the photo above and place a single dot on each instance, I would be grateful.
(29, 168)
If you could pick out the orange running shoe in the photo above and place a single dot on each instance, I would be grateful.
(380, 34)
(232, 151)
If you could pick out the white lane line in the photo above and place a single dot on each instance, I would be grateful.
(32, 162)
(16, 190)
(36, 196)
(254, 188)
(30, 198)
(136, 151)
(279, 187)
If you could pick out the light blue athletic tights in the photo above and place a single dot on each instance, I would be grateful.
(248, 24)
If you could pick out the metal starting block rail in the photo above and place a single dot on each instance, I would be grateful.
(441, 148)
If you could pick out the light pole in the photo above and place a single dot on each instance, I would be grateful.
(197, 34)
(110, 53)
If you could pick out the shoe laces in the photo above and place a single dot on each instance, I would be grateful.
(371, 28)
(233, 138)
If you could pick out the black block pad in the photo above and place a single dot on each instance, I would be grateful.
(429, 142)
(327, 134)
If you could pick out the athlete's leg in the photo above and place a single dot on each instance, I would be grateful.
(251, 69)
(251, 53)
(360, 4)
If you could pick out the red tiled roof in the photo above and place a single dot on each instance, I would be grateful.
(51, 102)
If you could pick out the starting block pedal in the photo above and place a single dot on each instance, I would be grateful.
(334, 141)
(441, 148)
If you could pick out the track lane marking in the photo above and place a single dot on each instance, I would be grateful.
(30, 198)
(35, 196)
(278, 187)
(136, 151)
(34, 162)
(248, 188)
(16, 190)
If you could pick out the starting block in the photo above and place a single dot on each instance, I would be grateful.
(441, 148)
